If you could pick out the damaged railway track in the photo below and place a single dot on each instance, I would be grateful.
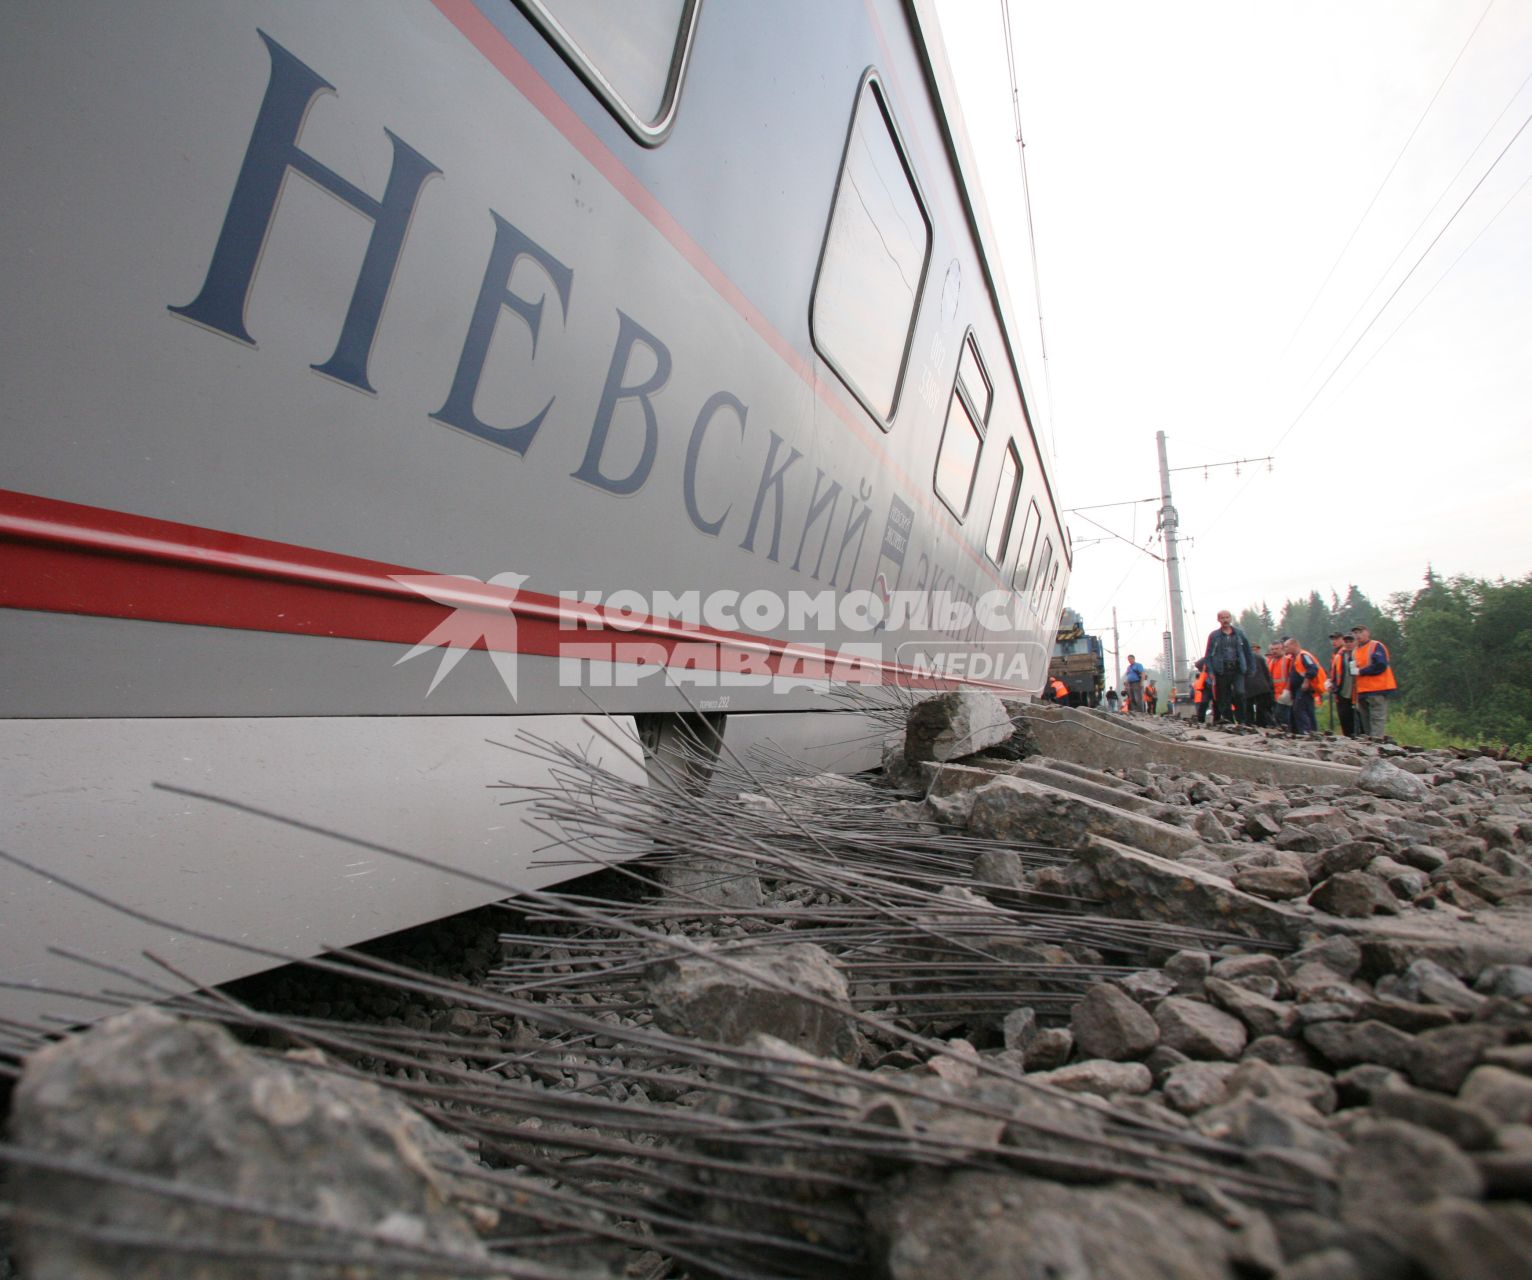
(992, 1012)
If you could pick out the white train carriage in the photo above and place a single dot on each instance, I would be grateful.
(380, 378)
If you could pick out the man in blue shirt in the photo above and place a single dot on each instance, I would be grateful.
(1133, 684)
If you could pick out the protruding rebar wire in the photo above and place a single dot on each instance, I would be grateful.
(759, 1129)
(686, 824)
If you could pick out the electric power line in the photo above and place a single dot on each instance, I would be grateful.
(1378, 349)
(1026, 196)
(1323, 284)
(1405, 280)
(1391, 334)
(1120, 538)
(1425, 217)
(1098, 506)
(1451, 267)
(1106, 607)
(1402, 248)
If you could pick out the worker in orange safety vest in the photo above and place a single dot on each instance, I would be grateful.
(1306, 682)
(1278, 664)
(1342, 681)
(1200, 691)
(1374, 682)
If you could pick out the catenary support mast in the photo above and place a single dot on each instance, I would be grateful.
(1172, 569)
(1116, 653)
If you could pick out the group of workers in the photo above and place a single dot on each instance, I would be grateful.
(1058, 692)
(1138, 691)
(1282, 689)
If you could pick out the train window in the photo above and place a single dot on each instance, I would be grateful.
(632, 55)
(1053, 580)
(873, 265)
(1002, 519)
(1028, 545)
(958, 457)
(1042, 574)
(975, 381)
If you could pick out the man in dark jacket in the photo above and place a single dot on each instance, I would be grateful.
(1229, 659)
(1258, 691)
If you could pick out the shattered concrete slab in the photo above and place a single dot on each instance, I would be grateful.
(955, 724)
(1139, 885)
(1101, 740)
(1020, 809)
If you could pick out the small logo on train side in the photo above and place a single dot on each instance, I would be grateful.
(479, 619)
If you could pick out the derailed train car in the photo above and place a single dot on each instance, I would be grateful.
(382, 379)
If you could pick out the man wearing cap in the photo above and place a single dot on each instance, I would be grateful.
(1374, 682)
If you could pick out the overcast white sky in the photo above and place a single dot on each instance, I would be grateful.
(1195, 170)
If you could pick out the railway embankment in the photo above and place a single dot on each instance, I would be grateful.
(1055, 994)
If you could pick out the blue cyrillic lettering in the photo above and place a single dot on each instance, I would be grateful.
(273, 150)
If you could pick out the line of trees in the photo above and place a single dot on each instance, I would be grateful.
(1461, 648)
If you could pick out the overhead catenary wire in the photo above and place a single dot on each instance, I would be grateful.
(1120, 538)
(1377, 315)
(1443, 128)
(1098, 506)
(1106, 605)
(1424, 218)
(1323, 284)
(1026, 196)
(1419, 302)
(1340, 364)
(1187, 591)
